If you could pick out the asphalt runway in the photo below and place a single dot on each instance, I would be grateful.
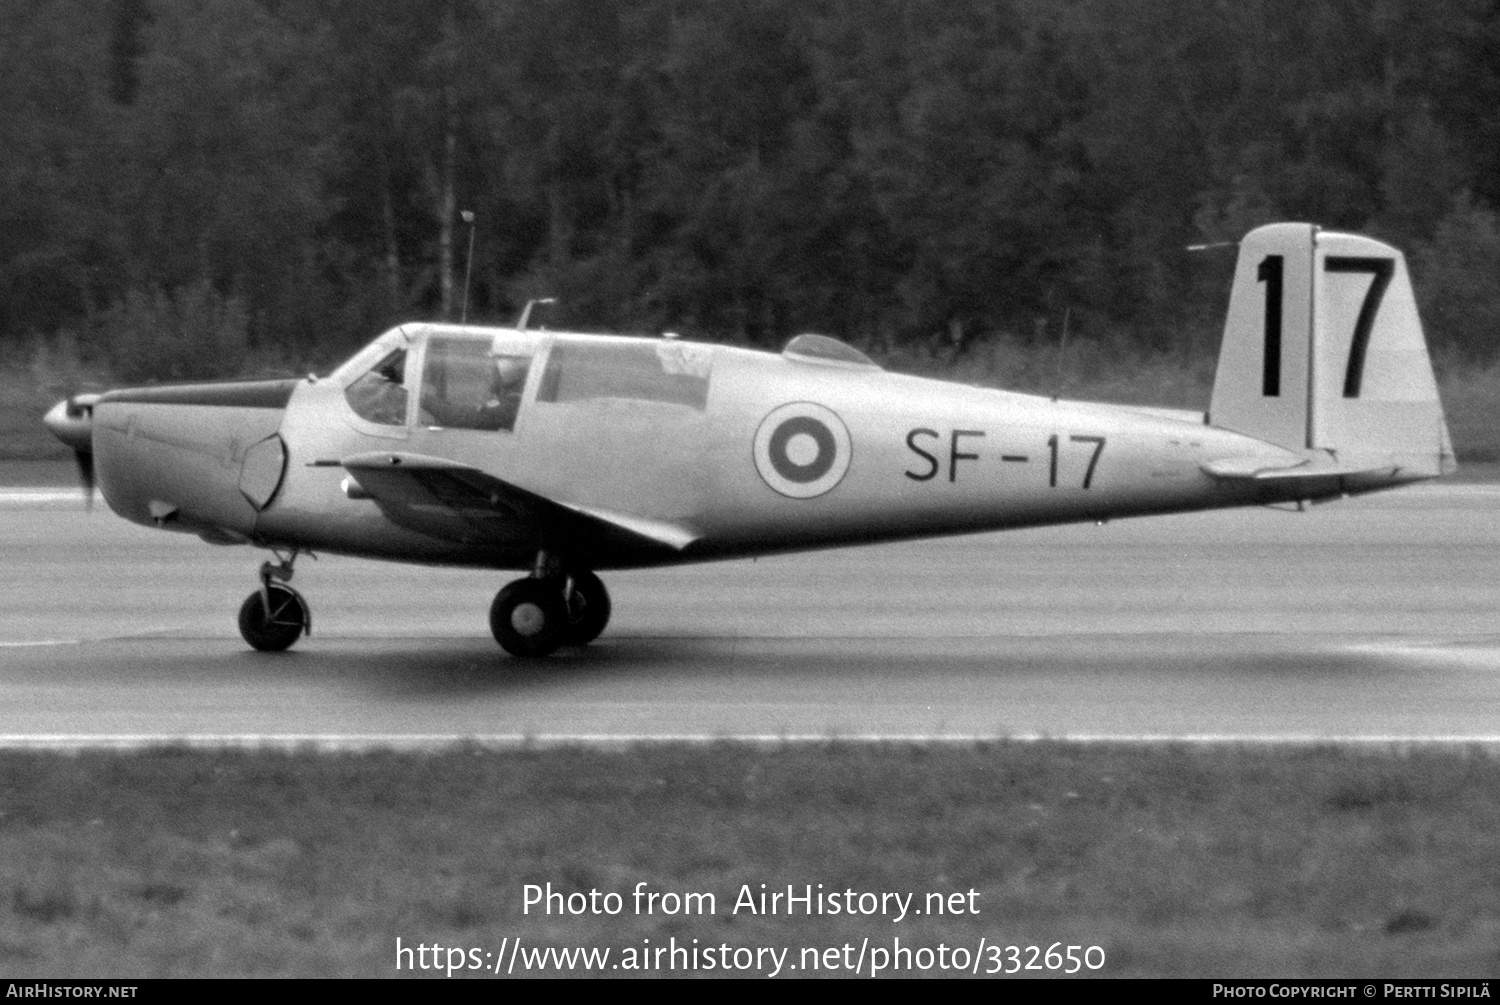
(1372, 618)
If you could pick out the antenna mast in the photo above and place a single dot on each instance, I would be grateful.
(1062, 349)
(468, 216)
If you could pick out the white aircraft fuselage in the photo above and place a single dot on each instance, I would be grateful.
(909, 457)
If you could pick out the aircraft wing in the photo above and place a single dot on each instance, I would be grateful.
(456, 501)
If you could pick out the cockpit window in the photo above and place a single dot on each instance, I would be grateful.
(379, 395)
(672, 372)
(468, 385)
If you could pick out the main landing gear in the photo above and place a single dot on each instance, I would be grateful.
(534, 616)
(275, 616)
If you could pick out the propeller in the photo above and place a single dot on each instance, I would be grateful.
(72, 421)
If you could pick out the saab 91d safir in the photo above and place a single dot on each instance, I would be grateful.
(565, 454)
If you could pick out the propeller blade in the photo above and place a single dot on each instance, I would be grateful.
(72, 421)
(85, 459)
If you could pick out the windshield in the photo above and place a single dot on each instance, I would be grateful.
(379, 395)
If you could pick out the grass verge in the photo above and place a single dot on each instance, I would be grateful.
(1175, 860)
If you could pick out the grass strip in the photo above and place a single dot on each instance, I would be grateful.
(1175, 860)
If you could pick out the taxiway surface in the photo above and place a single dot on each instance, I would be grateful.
(1370, 618)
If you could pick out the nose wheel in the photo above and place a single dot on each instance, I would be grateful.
(275, 616)
(533, 617)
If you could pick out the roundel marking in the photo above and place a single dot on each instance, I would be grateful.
(802, 450)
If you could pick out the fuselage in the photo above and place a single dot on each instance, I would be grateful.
(755, 452)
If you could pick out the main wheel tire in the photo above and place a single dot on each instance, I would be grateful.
(275, 626)
(588, 609)
(529, 617)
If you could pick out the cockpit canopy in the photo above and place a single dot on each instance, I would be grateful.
(476, 378)
(470, 378)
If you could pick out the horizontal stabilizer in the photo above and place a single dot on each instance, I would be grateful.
(1264, 469)
(418, 481)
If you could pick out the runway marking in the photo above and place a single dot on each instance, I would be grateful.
(1472, 488)
(157, 633)
(316, 743)
(1462, 489)
(1484, 488)
(26, 498)
(1484, 655)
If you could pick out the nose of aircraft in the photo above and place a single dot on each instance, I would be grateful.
(72, 421)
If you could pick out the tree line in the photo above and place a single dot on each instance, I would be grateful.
(190, 185)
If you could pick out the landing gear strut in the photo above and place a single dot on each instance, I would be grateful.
(532, 617)
(275, 616)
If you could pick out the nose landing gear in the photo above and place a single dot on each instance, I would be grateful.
(532, 617)
(275, 616)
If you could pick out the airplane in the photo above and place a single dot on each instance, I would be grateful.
(564, 454)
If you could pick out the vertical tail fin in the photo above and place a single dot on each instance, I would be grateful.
(1261, 387)
(1323, 350)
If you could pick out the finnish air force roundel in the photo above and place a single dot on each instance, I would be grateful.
(802, 450)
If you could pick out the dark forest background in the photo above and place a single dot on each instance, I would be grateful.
(198, 187)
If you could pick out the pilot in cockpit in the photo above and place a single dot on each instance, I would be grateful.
(504, 399)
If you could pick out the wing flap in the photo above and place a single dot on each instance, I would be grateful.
(672, 535)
